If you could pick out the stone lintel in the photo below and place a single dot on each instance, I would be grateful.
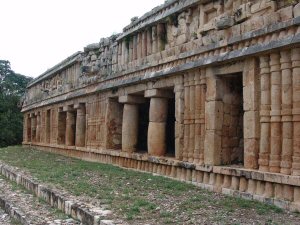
(131, 99)
(158, 93)
(68, 108)
(79, 105)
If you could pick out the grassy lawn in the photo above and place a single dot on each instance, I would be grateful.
(140, 197)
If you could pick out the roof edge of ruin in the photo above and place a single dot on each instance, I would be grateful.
(61, 65)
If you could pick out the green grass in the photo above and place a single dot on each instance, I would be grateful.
(132, 195)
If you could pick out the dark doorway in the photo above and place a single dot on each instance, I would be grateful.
(61, 136)
(142, 145)
(170, 129)
(232, 129)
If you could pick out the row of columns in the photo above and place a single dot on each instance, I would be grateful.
(70, 132)
(75, 131)
(158, 113)
(280, 112)
(142, 44)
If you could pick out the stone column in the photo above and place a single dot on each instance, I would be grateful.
(192, 117)
(296, 111)
(179, 113)
(276, 134)
(48, 126)
(33, 127)
(202, 114)
(70, 128)
(139, 45)
(158, 113)
(160, 37)
(198, 96)
(154, 39)
(265, 106)
(149, 41)
(80, 125)
(286, 112)
(38, 126)
(123, 52)
(144, 44)
(251, 114)
(120, 60)
(134, 53)
(213, 120)
(186, 117)
(130, 50)
(130, 121)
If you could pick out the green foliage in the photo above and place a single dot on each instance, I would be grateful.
(12, 88)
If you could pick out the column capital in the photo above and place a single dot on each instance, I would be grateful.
(79, 105)
(68, 108)
(158, 93)
(131, 99)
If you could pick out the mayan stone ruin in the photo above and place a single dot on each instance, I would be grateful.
(202, 91)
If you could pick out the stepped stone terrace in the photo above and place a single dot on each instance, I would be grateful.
(202, 91)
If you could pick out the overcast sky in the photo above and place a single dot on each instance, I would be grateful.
(37, 34)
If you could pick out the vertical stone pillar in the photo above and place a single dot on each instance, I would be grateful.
(48, 126)
(186, 117)
(154, 39)
(38, 127)
(149, 41)
(192, 117)
(202, 113)
(296, 111)
(144, 44)
(158, 113)
(139, 45)
(213, 120)
(179, 113)
(134, 53)
(120, 60)
(286, 112)
(123, 52)
(265, 106)
(130, 50)
(197, 117)
(251, 114)
(33, 127)
(130, 122)
(70, 128)
(276, 134)
(80, 125)
(160, 37)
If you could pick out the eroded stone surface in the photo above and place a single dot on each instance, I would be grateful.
(4, 218)
(36, 212)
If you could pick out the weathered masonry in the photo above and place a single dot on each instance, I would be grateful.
(202, 91)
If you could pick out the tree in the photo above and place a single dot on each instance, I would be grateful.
(12, 88)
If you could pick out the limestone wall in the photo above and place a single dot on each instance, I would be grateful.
(196, 87)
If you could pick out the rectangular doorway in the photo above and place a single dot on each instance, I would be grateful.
(142, 145)
(233, 113)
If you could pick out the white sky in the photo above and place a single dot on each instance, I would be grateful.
(37, 34)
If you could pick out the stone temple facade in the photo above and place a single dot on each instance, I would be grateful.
(202, 91)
